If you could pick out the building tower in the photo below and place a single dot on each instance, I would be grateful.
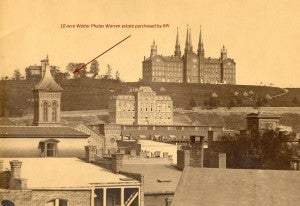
(153, 49)
(200, 45)
(188, 58)
(200, 53)
(47, 95)
(177, 51)
(223, 53)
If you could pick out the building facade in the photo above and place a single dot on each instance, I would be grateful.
(191, 67)
(142, 107)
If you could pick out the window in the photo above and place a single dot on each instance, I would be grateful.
(49, 148)
(7, 203)
(57, 202)
(54, 112)
(45, 111)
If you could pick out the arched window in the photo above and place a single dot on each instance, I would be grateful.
(54, 111)
(45, 111)
(57, 202)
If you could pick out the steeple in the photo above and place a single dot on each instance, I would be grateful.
(223, 53)
(188, 41)
(200, 45)
(177, 51)
(47, 82)
(47, 95)
(153, 49)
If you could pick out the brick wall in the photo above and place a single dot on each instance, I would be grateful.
(183, 158)
(30, 198)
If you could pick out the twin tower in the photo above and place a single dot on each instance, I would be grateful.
(191, 67)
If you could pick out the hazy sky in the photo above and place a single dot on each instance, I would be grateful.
(263, 36)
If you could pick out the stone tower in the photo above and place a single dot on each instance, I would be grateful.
(223, 53)
(153, 49)
(47, 103)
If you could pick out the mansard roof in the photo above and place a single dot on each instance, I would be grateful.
(212, 60)
(165, 58)
(229, 60)
(48, 83)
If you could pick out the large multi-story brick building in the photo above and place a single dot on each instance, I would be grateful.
(191, 67)
(142, 107)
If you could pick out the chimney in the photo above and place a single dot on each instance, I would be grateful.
(90, 152)
(15, 169)
(117, 162)
(16, 182)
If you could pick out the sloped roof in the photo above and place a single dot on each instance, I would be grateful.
(158, 178)
(6, 122)
(66, 173)
(47, 83)
(38, 131)
(215, 186)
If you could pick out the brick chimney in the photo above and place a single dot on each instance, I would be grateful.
(117, 162)
(90, 152)
(16, 182)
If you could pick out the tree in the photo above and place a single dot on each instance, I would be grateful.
(118, 76)
(213, 102)
(82, 72)
(108, 73)
(17, 75)
(272, 149)
(193, 103)
(231, 103)
(58, 75)
(94, 68)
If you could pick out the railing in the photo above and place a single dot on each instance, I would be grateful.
(131, 198)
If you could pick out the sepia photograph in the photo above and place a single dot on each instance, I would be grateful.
(149, 103)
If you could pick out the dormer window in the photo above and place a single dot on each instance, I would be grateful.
(49, 148)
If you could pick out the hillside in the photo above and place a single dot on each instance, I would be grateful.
(93, 94)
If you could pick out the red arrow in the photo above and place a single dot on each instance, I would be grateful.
(78, 69)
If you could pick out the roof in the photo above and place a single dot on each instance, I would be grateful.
(156, 177)
(39, 131)
(212, 60)
(150, 143)
(262, 115)
(66, 173)
(6, 122)
(214, 186)
(165, 58)
(47, 83)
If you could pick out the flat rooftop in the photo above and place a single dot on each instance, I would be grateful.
(158, 178)
(66, 173)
